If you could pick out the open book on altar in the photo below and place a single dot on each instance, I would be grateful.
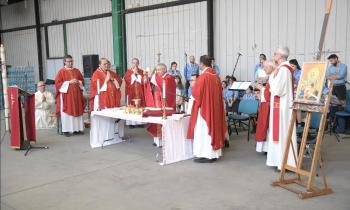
(240, 85)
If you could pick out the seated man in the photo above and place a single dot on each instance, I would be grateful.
(44, 108)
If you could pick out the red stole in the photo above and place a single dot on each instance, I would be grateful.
(135, 90)
(73, 100)
(109, 98)
(207, 98)
(276, 109)
(264, 115)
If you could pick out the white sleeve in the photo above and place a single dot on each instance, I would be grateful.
(133, 78)
(96, 103)
(139, 79)
(153, 80)
(64, 87)
(278, 86)
(38, 102)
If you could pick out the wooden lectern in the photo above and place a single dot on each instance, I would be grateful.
(22, 119)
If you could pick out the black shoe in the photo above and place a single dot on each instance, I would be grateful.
(227, 143)
(204, 160)
(67, 134)
(78, 133)
(154, 144)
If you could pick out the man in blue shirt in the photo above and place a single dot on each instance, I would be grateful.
(173, 70)
(216, 67)
(258, 70)
(190, 69)
(337, 73)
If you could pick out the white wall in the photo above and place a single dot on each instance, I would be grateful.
(18, 15)
(90, 37)
(170, 31)
(67, 9)
(247, 26)
(86, 37)
(139, 3)
(21, 49)
(259, 26)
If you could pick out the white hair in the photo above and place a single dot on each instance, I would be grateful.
(162, 65)
(283, 51)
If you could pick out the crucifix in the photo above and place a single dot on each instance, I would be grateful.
(158, 55)
(324, 28)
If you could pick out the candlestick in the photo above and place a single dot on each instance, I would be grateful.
(164, 88)
(98, 95)
(164, 110)
(164, 100)
(98, 87)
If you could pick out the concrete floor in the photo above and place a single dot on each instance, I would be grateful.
(71, 175)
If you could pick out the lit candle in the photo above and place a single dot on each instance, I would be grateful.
(98, 87)
(164, 88)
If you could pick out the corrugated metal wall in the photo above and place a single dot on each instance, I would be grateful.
(259, 26)
(90, 37)
(170, 31)
(18, 15)
(139, 3)
(247, 26)
(86, 37)
(21, 49)
(67, 9)
(55, 38)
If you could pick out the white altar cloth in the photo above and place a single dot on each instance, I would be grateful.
(176, 147)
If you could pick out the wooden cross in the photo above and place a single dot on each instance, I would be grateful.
(324, 28)
(158, 55)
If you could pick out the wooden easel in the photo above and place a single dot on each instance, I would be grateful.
(311, 190)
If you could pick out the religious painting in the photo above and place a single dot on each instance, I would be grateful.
(311, 82)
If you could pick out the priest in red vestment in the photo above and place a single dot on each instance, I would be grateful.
(148, 87)
(105, 87)
(134, 87)
(264, 110)
(170, 96)
(207, 123)
(70, 102)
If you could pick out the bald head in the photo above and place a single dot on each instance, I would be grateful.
(41, 86)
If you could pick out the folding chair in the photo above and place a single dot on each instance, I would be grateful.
(247, 110)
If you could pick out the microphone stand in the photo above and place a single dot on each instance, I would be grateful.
(234, 69)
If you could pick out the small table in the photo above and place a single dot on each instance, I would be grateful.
(176, 147)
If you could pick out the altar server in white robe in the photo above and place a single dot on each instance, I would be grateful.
(281, 88)
(44, 108)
